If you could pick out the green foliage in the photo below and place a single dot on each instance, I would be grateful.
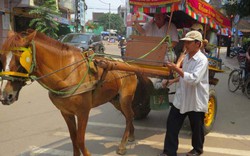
(231, 8)
(246, 42)
(44, 21)
(116, 22)
(244, 8)
(234, 8)
(92, 25)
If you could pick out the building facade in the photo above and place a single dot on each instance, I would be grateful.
(14, 15)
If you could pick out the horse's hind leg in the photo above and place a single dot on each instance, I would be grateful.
(71, 123)
(127, 111)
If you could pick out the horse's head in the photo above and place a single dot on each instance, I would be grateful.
(15, 66)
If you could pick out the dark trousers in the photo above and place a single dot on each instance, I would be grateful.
(174, 123)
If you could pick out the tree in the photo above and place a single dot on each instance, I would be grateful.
(116, 22)
(44, 21)
(92, 25)
(244, 6)
(234, 7)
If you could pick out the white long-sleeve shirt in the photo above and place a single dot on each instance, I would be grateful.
(192, 93)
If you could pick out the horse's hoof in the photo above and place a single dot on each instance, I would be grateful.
(121, 151)
(131, 138)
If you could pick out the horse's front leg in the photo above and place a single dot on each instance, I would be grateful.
(82, 124)
(127, 111)
(71, 123)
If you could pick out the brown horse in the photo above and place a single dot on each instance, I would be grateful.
(75, 84)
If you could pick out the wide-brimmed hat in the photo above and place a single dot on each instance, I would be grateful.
(192, 36)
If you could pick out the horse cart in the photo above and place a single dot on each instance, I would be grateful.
(147, 52)
(79, 81)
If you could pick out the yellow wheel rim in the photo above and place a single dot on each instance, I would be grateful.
(209, 116)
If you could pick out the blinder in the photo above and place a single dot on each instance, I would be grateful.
(25, 60)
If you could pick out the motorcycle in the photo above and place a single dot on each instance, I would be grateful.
(122, 45)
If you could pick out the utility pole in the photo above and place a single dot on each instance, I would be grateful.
(80, 7)
(109, 16)
(76, 16)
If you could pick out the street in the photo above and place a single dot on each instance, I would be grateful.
(33, 126)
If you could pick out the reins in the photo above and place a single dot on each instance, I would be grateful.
(18, 76)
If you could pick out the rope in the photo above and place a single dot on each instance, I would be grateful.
(35, 78)
(73, 90)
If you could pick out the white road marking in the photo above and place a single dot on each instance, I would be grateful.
(211, 134)
(34, 150)
(115, 140)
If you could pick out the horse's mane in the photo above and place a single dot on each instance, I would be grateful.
(54, 43)
(22, 39)
(13, 40)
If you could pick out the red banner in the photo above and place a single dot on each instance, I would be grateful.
(152, 2)
(205, 9)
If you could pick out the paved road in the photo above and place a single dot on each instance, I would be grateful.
(33, 126)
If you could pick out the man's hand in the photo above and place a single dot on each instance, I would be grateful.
(166, 83)
(171, 65)
(174, 67)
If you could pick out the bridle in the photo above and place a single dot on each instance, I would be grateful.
(26, 62)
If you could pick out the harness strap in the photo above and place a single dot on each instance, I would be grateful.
(84, 87)
(11, 73)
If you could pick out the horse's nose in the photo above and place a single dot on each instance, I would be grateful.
(6, 99)
(10, 97)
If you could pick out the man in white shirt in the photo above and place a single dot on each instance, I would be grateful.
(191, 97)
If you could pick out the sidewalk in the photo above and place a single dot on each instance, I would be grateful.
(231, 63)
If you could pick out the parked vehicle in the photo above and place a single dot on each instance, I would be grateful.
(85, 41)
(234, 51)
(238, 79)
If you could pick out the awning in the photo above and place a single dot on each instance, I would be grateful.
(197, 9)
(239, 32)
(225, 32)
(228, 32)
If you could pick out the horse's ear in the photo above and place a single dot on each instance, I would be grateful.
(30, 37)
(11, 33)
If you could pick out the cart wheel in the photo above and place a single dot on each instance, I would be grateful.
(141, 102)
(247, 88)
(211, 114)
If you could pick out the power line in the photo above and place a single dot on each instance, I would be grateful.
(102, 9)
(104, 2)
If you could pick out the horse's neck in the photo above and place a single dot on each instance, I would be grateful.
(58, 67)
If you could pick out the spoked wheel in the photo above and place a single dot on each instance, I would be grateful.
(247, 88)
(234, 80)
(211, 114)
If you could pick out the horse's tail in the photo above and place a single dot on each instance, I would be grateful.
(141, 101)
